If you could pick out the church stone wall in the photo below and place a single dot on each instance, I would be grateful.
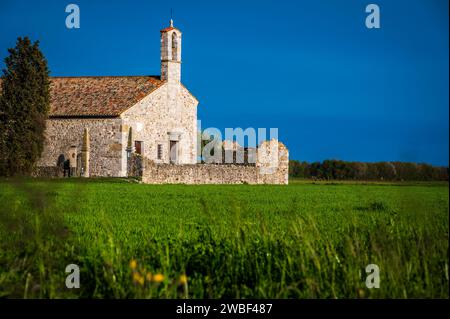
(156, 115)
(151, 120)
(105, 140)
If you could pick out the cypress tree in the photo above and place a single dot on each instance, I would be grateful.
(24, 106)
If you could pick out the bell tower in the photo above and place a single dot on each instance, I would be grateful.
(171, 54)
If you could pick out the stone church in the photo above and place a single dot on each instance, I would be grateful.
(103, 126)
(92, 119)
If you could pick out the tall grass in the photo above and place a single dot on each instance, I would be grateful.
(298, 241)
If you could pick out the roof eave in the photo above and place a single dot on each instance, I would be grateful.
(170, 29)
(83, 116)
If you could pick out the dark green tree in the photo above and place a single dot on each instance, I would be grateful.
(24, 105)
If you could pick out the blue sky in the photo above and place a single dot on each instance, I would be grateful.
(332, 87)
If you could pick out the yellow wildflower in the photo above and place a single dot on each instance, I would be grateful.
(183, 279)
(148, 276)
(133, 264)
(158, 277)
(138, 278)
(361, 293)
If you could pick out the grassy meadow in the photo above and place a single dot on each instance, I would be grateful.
(305, 240)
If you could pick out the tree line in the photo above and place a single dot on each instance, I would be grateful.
(389, 171)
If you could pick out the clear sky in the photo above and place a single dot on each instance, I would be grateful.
(332, 87)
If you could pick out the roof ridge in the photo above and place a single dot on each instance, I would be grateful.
(105, 76)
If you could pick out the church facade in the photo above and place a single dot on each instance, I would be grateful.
(96, 122)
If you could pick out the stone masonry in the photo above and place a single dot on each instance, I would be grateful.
(105, 143)
(272, 167)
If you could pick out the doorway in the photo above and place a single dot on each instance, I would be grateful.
(173, 152)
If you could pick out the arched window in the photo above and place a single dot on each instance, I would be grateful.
(174, 47)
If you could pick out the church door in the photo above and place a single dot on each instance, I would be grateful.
(173, 152)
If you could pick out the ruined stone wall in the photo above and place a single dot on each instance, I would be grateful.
(48, 172)
(271, 168)
(153, 118)
(272, 163)
(105, 141)
(199, 174)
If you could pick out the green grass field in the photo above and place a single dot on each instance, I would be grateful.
(305, 240)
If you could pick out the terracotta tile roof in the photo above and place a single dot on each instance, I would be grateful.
(98, 95)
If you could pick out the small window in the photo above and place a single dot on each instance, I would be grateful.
(160, 151)
(138, 147)
(174, 47)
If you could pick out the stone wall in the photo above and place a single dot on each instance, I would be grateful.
(156, 115)
(272, 163)
(105, 144)
(135, 165)
(272, 167)
(152, 119)
(48, 171)
(199, 174)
